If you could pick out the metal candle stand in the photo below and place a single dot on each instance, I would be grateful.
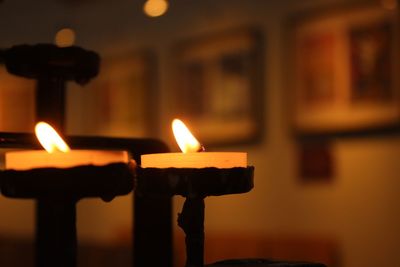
(60, 189)
(194, 185)
(57, 191)
(52, 67)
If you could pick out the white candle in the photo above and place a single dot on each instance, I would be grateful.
(191, 158)
(195, 160)
(30, 159)
(58, 154)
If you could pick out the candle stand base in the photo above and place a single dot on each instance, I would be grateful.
(263, 263)
(57, 191)
(194, 185)
(56, 240)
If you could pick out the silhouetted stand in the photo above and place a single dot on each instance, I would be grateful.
(52, 67)
(191, 220)
(56, 232)
(263, 263)
(57, 191)
(194, 185)
(152, 231)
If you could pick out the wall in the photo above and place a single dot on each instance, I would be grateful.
(357, 209)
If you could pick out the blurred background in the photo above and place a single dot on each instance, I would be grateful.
(307, 88)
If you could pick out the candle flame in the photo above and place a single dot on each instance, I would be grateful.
(49, 138)
(185, 139)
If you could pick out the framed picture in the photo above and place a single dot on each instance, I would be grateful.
(316, 162)
(344, 64)
(119, 102)
(219, 86)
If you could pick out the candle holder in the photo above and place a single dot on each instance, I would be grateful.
(194, 185)
(57, 192)
(52, 67)
(151, 232)
(263, 263)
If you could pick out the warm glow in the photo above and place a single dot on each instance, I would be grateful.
(49, 138)
(389, 4)
(155, 8)
(186, 141)
(65, 37)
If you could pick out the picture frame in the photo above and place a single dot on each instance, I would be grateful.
(120, 102)
(316, 162)
(218, 86)
(343, 69)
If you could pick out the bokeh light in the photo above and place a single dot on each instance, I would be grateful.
(65, 37)
(155, 8)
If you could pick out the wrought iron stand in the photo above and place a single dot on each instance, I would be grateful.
(194, 185)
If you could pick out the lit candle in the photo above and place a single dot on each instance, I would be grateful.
(191, 158)
(57, 154)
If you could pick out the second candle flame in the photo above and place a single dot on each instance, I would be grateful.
(49, 138)
(185, 139)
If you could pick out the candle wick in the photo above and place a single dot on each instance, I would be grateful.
(201, 149)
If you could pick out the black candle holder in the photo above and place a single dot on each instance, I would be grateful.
(263, 263)
(52, 67)
(194, 185)
(152, 231)
(57, 191)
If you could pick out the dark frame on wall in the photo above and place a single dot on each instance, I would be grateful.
(218, 86)
(343, 64)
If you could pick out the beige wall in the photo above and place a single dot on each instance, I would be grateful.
(358, 209)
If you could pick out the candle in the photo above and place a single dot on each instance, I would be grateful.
(57, 154)
(191, 158)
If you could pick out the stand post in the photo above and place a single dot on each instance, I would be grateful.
(50, 101)
(152, 231)
(56, 233)
(191, 220)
